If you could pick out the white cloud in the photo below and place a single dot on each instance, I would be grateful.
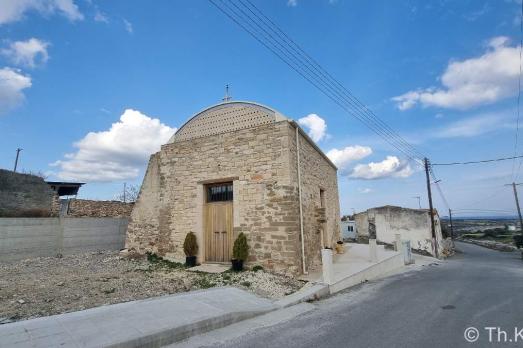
(344, 157)
(292, 3)
(14, 10)
(27, 53)
(365, 190)
(389, 167)
(128, 26)
(472, 82)
(12, 84)
(316, 126)
(476, 125)
(101, 17)
(118, 153)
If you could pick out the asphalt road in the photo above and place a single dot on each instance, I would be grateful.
(429, 308)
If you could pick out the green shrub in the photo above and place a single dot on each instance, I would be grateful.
(190, 246)
(257, 268)
(240, 250)
(246, 284)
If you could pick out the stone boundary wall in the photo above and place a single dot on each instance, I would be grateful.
(24, 238)
(90, 208)
(26, 195)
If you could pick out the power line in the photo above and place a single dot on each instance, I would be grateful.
(474, 162)
(324, 73)
(291, 54)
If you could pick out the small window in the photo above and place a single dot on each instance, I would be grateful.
(322, 198)
(219, 192)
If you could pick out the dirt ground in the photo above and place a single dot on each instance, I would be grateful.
(50, 285)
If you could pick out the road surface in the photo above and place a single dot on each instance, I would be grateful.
(477, 288)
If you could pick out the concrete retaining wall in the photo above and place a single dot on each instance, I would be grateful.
(23, 238)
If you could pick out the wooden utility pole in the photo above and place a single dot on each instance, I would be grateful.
(431, 211)
(451, 226)
(16, 160)
(124, 191)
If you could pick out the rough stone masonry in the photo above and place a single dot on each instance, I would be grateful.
(253, 148)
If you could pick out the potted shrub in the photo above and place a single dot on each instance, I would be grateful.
(240, 251)
(190, 248)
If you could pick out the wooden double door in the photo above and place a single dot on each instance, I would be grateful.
(218, 225)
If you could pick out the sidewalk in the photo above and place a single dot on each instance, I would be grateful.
(146, 323)
(354, 267)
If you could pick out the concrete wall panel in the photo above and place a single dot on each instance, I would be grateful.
(22, 238)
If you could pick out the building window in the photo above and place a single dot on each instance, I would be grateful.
(219, 192)
(322, 198)
(350, 228)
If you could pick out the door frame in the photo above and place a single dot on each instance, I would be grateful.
(205, 205)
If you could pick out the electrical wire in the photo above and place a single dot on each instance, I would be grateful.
(475, 162)
(279, 44)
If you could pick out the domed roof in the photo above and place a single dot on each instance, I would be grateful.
(226, 117)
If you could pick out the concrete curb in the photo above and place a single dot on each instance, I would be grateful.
(176, 334)
(310, 292)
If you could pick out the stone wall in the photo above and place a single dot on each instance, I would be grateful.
(144, 229)
(317, 174)
(90, 208)
(262, 166)
(26, 195)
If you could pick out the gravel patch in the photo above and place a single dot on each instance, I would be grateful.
(50, 285)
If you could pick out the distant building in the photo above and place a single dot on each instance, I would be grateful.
(348, 229)
(411, 224)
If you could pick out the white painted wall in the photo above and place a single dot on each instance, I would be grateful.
(411, 224)
(344, 228)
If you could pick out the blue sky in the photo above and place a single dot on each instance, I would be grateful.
(90, 88)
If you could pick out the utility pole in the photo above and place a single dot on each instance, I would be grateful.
(419, 200)
(16, 160)
(432, 228)
(124, 191)
(517, 204)
(451, 226)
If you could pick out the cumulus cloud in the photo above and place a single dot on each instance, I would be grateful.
(117, 153)
(471, 82)
(346, 156)
(12, 84)
(390, 167)
(27, 53)
(316, 126)
(14, 10)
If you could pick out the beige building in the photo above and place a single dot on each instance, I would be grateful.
(411, 224)
(239, 167)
